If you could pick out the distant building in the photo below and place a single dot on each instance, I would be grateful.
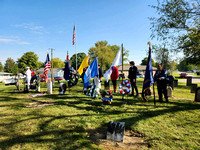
(141, 69)
(4, 75)
(57, 72)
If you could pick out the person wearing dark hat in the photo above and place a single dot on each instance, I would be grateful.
(132, 77)
(160, 78)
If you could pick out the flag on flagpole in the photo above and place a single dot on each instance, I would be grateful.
(148, 80)
(83, 64)
(67, 56)
(91, 72)
(116, 62)
(74, 35)
(47, 67)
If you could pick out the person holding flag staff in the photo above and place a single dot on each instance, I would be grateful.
(97, 80)
(148, 80)
(132, 77)
(160, 78)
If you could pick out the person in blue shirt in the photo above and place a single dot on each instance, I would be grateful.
(160, 77)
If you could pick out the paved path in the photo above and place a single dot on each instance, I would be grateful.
(194, 80)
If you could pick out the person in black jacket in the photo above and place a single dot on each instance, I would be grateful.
(132, 77)
(160, 78)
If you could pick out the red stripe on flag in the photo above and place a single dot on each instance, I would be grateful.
(74, 36)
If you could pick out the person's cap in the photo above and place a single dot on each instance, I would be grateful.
(99, 65)
(27, 67)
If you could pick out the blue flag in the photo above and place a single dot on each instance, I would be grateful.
(91, 72)
(148, 80)
(67, 70)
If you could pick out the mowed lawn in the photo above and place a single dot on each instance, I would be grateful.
(70, 121)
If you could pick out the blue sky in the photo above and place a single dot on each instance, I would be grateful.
(37, 25)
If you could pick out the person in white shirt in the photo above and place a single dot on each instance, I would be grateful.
(28, 76)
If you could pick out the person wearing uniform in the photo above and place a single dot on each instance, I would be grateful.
(97, 80)
(132, 77)
(160, 78)
(28, 76)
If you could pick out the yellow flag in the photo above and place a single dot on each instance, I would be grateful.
(83, 64)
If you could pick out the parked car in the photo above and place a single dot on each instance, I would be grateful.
(121, 75)
(139, 75)
(183, 75)
(58, 79)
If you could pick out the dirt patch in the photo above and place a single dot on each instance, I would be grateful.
(40, 104)
(132, 141)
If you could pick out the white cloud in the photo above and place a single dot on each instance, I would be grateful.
(32, 27)
(17, 41)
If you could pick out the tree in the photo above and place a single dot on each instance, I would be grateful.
(105, 53)
(58, 63)
(144, 62)
(190, 44)
(40, 64)
(184, 66)
(28, 59)
(80, 57)
(11, 66)
(178, 22)
(162, 56)
(1, 67)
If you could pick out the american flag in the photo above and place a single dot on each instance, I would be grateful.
(47, 67)
(74, 35)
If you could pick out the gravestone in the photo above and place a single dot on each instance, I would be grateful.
(107, 85)
(116, 131)
(197, 95)
(18, 85)
(175, 83)
(49, 87)
(193, 88)
(169, 91)
(189, 81)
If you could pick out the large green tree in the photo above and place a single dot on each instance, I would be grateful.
(184, 66)
(80, 57)
(1, 67)
(106, 53)
(178, 22)
(162, 55)
(57, 63)
(11, 66)
(28, 59)
(144, 62)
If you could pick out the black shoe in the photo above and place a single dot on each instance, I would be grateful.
(136, 95)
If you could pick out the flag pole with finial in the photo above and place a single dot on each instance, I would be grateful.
(154, 99)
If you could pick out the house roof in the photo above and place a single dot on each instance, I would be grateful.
(5, 73)
(139, 67)
(41, 70)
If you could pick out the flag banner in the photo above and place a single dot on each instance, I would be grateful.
(74, 35)
(47, 67)
(67, 56)
(91, 72)
(148, 80)
(83, 64)
(116, 62)
(67, 70)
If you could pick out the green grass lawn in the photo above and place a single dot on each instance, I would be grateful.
(70, 121)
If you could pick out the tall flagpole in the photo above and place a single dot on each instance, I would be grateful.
(122, 67)
(75, 49)
(154, 99)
